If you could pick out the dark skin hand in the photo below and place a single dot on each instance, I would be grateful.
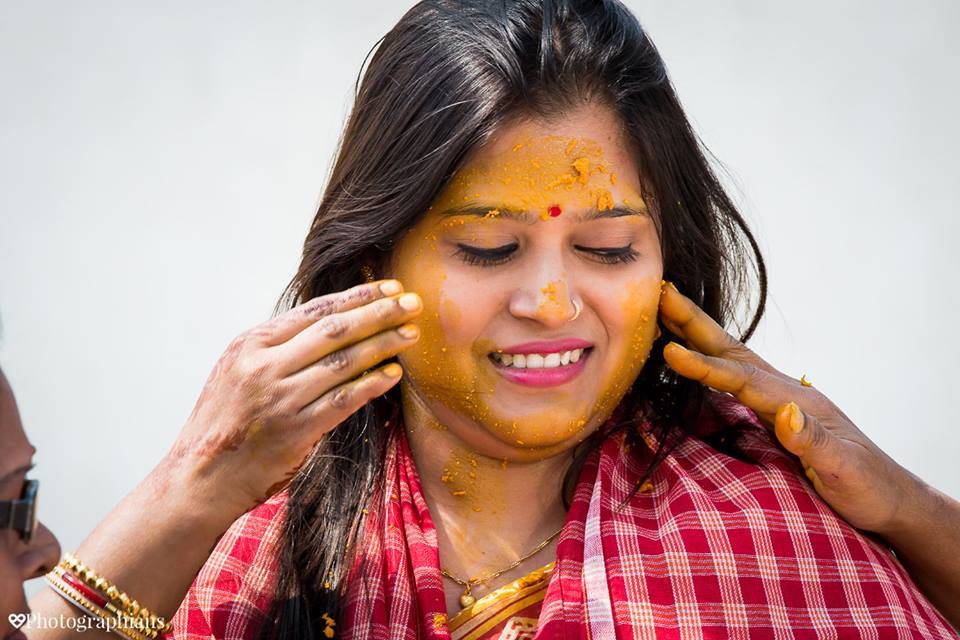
(865, 486)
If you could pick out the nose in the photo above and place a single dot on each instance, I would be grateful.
(548, 302)
(40, 555)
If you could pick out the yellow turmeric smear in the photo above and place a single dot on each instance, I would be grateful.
(570, 147)
(582, 166)
(604, 200)
(493, 213)
(517, 146)
(562, 181)
(613, 179)
(549, 290)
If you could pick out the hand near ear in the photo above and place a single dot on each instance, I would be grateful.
(863, 484)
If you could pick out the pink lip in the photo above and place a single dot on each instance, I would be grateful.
(544, 377)
(548, 346)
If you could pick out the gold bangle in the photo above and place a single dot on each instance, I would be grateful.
(77, 599)
(130, 607)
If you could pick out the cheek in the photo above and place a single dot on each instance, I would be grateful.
(633, 319)
(443, 364)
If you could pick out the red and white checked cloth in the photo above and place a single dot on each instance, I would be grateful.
(719, 548)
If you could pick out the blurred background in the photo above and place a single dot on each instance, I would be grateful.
(161, 163)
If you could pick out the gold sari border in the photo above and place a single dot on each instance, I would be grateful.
(520, 587)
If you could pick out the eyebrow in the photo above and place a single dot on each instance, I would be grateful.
(529, 218)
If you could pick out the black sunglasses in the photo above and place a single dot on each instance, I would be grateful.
(21, 514)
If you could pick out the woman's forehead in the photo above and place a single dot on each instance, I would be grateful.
(577, 164)
(593, 127)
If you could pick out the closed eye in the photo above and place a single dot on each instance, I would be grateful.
(612, 255)
(486, 257)
(499, 255)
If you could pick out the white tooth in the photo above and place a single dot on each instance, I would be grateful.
(534, 361)
(575, 355)
(552, 360)
(506, 359)
(519, 361)
(565, 357)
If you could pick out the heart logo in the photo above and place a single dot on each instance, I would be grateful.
(17, 619)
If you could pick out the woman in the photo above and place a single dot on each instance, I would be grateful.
(541, 469)
(527, 169)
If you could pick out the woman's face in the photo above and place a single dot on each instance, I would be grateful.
(547, 215)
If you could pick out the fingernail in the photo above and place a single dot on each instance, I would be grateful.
(409, 331)
(409, 301)
(390, 288)
(796, 418)
(676, 345)
(393, 370)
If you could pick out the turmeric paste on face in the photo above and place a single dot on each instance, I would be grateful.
(547, 177)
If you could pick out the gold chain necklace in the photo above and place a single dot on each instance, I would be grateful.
(467, 599)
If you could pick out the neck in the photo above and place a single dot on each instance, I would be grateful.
(489, 512)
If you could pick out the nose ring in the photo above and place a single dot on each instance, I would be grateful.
(577, 308)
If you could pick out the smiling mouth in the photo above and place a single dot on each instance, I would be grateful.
(550, 360)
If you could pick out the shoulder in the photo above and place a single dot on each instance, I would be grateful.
(233, 591)
(764, 517)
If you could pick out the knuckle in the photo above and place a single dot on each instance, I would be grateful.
(319, 307)
(385, 311)
(818, 437)
(333, 326)
(357, 295)
(736, 349)
(751, 371)
(336, 360)
(366, 293)
(340, 398)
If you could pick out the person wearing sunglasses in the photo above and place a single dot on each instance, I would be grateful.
(28, 549)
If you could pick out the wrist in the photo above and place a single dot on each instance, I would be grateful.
(186, 498)
(914, 507)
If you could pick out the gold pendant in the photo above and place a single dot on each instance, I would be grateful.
(466, 599)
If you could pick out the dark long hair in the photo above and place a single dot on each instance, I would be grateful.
(437, 86)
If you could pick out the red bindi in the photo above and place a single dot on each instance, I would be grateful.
(554, 211)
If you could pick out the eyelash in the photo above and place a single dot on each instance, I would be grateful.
(499, 255)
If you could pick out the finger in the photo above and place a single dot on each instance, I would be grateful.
(285, 326)
(341, 365)
(684, 318)
(339, 330)
(751, 385)
(802, 435)
(338, 404)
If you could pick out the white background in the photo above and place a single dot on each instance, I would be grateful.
(160, 168)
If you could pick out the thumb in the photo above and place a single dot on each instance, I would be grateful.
(802, 435)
